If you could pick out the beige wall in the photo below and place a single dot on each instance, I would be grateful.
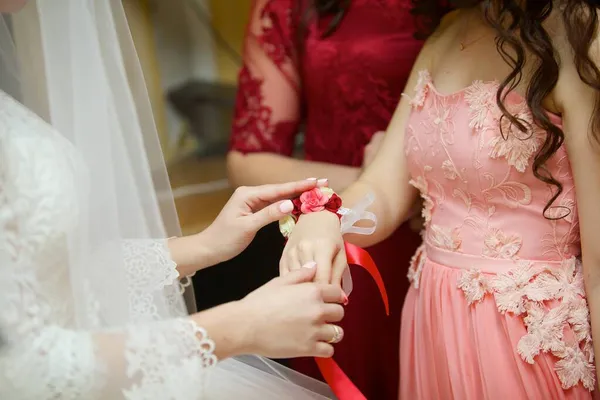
(173, 47)
(230, 18)
(142, 31)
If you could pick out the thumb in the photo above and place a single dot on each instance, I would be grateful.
(300, 275)
(272, 213)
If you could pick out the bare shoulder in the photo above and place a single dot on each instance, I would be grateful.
(445, 27)
(438, 40)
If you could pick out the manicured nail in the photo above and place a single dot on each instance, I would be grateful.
(322, 182)
(346, 299)
(286, 207)
(311, 264)
(311, 179)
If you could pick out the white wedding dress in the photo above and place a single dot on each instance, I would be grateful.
(44, 352)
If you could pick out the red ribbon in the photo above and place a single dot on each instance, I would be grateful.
(341, 385)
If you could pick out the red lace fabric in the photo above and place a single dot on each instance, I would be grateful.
(267, 113)
(351, 81)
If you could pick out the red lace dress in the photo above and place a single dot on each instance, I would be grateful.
(351, 83)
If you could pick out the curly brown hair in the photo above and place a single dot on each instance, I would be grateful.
(520, 34)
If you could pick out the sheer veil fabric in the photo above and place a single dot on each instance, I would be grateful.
(91, 303)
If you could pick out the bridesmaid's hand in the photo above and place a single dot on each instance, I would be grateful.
(247, 211)
(316, 238)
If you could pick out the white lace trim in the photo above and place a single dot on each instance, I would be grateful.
(45, 353)
(164, 359)
(152, 276)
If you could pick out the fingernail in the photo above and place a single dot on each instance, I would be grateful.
(311, 264)
(286, 207)
(346, 299)
(311, 179)
(322, 182)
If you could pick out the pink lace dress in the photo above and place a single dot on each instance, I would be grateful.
(497, 307)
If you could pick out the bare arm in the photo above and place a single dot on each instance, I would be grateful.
(260, 168)
(387, 177)
(576, 101)
(247, 211)
(268, 108)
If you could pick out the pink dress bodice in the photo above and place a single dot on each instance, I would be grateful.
(481, 196)
(498, 308)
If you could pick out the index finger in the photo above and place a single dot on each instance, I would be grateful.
(340, 263)
(280, 191)
(324, 256)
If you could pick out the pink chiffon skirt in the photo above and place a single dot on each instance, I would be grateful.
(453, 348)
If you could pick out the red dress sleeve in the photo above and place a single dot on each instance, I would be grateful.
(267, 111)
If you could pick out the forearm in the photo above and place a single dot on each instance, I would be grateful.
(389, 215)
(263, 168)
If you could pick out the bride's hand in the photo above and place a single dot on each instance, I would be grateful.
(292, 317)
(316, 238)
(246, 212)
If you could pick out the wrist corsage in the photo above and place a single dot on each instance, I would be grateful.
(325, 199)
(315, 200)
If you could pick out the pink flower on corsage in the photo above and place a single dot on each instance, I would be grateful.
(313, 201)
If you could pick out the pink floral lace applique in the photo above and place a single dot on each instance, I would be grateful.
(524, 291)
(474, 284)
(567, 280)
(421, 89)
(449, 170)
(515, 288)
(497, 244)
(420, 183)
(481, 97)
(574, 367)
(416, 266)
(579, 319)
(516, 146)
(445, 238)
(508, 141)
(545, 331)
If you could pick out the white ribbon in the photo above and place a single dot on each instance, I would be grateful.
(351, 216)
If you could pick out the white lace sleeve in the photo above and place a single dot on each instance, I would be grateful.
(46, 351)
(42, 358)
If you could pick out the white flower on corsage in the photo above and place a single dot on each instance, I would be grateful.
(327, 191)
(286, 225)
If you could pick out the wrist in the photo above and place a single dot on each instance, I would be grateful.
(227, 327)
(192, 253)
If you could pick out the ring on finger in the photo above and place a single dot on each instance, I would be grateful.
(338, 335)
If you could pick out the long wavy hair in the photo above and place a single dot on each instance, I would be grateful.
(520, 34)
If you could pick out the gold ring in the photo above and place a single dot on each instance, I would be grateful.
(337, 335)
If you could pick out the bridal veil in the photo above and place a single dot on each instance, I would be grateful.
(91, 306)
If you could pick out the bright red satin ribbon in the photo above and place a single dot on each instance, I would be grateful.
(341, 385)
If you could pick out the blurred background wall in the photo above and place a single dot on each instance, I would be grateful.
(189, 50)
